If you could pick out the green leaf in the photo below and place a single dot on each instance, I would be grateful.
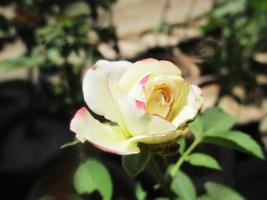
(222, 192)
(50, 33)
(53, 54)
(216, 120)
(69, 144)
(77, 9)
(260, 5)
(205, 197)
(236, 140)
(20, 62)
(229, 7)
(139, 192)
(203, 160)
(183, 186)
(136, 163)
(197, 127)
(92, 175)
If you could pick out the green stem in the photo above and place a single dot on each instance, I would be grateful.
(154, 169)
(184, 157)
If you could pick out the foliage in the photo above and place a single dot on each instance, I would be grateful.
(212, 127)
(218, 132)
(92, 175)
(61, 38)
(183, 187)
(220, 192)
(204, 160)
(140, 193)
(238, 28)
(134, 164)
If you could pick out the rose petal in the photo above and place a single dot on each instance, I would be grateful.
(159, 125)
(158, 138)
(190, 110)
(148, 66)
(139, 123)
(137, 92)
(140, 105)
(106, 137)
(100, 88)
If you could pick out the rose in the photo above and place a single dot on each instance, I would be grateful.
(147, 102)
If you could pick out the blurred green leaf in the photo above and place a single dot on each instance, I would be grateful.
(50, 33)
(77, 9)
(215, 119)
(203, 160)
(29, 2)
(222, 192)
(139, 192)
(259, 4)
(20, 62)
(183, 186)
(136, 163)
(236, 140)
(229, 8)
(92, 175)
(53, 55)
(205, 197)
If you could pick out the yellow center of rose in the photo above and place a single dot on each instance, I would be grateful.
(160, 101)
(165, 96)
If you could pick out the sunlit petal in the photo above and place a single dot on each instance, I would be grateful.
(106, 137)
(158, 138)
(190, 110)
(100, 88)
(144, 67)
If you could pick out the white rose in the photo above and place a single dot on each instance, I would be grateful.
(148, 102)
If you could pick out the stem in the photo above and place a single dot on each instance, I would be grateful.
(154, 169)
(81, 156)
(183, 157)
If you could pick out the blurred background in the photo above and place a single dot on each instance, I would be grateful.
(46, 45)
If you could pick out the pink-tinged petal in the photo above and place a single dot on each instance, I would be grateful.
(81, 112)
(140, 105)
(144, 67)
(148, 60)
(138, 122)
(143, 81)
(109, 150)
(197, 91)
(100, 88)
(135, 119)
(137, 92)
(104, 136)
(190, 110)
